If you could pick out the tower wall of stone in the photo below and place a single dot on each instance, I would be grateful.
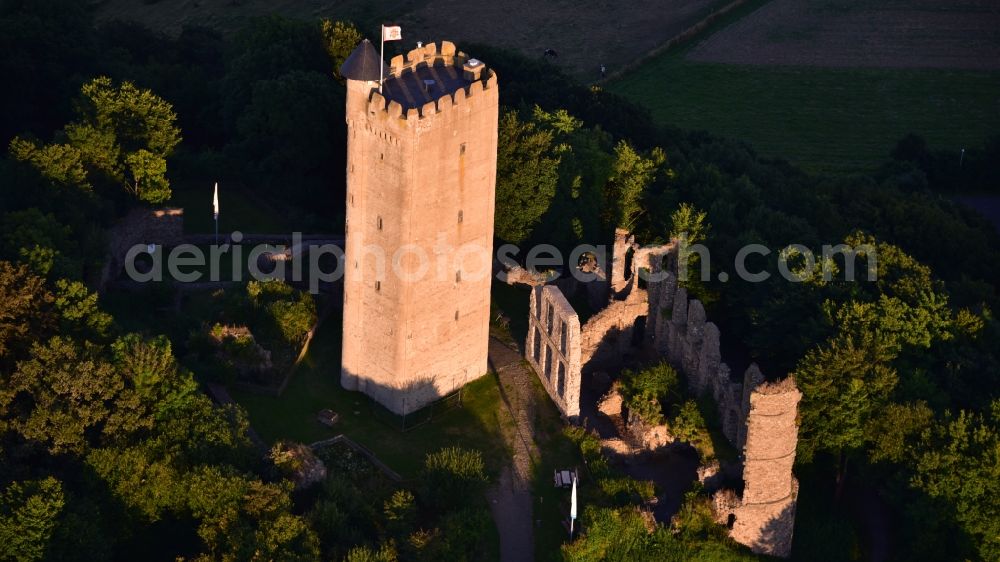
(771, 439)
(420, 193)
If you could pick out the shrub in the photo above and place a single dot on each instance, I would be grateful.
(687, 424)
(452, 476)
(294, 319)
(646, 391)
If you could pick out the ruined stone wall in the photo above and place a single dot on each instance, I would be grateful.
(764, 517)
(420, 191)
(163, 227)
(608, 336)
(553, 347)
(757, 417)
(680, 331)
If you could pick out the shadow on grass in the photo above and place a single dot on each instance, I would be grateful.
(316, 386)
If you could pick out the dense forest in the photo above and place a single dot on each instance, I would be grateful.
(109, 448)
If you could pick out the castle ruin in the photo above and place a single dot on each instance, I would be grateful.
(757, 417)
(421, 178)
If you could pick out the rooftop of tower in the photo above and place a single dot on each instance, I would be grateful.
(426, 74)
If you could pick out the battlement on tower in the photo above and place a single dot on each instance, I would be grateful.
(431, 80)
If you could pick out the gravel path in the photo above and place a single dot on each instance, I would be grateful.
(510, 498)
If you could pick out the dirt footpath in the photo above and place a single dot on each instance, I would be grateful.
(510, 498)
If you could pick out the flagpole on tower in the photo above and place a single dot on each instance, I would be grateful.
(395, 34)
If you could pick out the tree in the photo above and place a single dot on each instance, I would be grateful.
(150, 367)
(646, 391)
(959, 462)
(850, 378)
(28, 516)
(339, 38)
(631, 174)
(24, 309)
(63, 396)
(126, 133)
(291, 144)
(245, 519)
(39, 240)
(78, 310)
(689, 223)
(527, 173)
(60, 164)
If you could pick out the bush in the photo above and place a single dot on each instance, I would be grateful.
(645, 392)
(452, 476)
(687, 424)
(294, 319)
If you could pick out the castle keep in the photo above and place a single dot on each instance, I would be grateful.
(421, 178)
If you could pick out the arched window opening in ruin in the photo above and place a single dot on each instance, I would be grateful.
(562, 338)
(643, 276)
(550, 317)
(538, 304)
(538, 346)
(731, 520)
(629, 256)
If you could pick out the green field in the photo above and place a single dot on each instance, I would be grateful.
(824, 119)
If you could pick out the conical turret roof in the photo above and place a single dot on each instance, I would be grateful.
(363, 64)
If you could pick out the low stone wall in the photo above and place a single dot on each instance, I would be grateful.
(163, 227)
(553, 347)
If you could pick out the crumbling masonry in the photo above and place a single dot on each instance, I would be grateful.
(757, 417)
(553, 347)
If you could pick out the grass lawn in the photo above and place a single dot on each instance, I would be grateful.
(316, 385)
(824, 119)
(552, 504)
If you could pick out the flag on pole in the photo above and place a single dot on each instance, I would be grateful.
(215, 202)
(392, 33)
(572, 504)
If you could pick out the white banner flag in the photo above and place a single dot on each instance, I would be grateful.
(572, 505)
(215, 201)
(392, 33)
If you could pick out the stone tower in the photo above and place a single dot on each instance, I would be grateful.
(421, 178)
(763, 518)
